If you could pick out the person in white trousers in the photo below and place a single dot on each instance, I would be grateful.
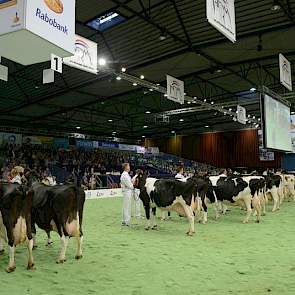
(137, 201)
(127, 191)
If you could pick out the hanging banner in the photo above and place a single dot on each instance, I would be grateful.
(10, 138)
(85, 56)
(292, 132)
(38, 140)
(11, 16)
(175, 89)
(285, 72)
(241, 115)
(221, 15)
(53, 20)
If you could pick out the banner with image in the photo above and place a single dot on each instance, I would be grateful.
(10, 138)
(285, 72)
(221, 15)
(38, 140)
(292, 132)
(85, 56)
(175, 89)
(11, 16)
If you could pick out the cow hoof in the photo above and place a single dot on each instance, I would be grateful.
(155, 227)
(10, 269)
(61, 261)
(147, 228)
(257, 221)
(263, 214)
(35, 247)
(189, 233)
(245, 221)
(2, 252)
(78, 257)
(31, 266)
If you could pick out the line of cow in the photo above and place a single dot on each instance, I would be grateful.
(189, 197)
(51, 208)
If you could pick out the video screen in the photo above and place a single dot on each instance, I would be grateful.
(276, 124)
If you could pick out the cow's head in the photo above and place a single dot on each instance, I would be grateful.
(140, 180)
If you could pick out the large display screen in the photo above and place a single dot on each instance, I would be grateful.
(276, 124)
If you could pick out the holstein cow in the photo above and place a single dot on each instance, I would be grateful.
(168, 195)
(274, 187)
(15, 220)
(248, 190)
(59, 208)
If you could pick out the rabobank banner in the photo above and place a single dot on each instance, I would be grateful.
(53, 20)
(11, 16)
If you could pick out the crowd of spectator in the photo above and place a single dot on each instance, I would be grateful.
(82, 164)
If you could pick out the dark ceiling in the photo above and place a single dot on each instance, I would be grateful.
(212, 67)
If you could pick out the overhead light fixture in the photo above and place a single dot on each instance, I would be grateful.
(257, 125)
(134, 84)
(123, 70)
(259, 119)
(147, 112)
(230, 110)
(102, 62)
(114, 132)
(181, 120)
(151, 89)
(249, 116)
(173, 131)
(119, 78)
(163, 36)
(78, 127)
(205, 100)
(110, 120)
(158, 84)
(188, 102)
(252, 89)
(207, 126)
(141, 77)
(165, 95)
(143, 136)
(212, 102)
(36, 87)
(145, 126)
(253, 117)
(292, 113)
(276, 6)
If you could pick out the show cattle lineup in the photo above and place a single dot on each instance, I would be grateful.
(29, 201)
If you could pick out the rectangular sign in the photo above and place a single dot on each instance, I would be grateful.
(175, 89)
(285, 72)
(56, 63)
(53, 21)
(264, 154)
(11, 16)
(85, 56)
(241, 115)
(221, 15)
(10, 138)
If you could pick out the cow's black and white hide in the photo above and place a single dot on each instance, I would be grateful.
(167, 194)
(234, 190)
(15, 221)
(60, 209)
(275, 188)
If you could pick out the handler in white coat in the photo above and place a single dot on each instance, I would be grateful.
(137, 201)
(127, 191)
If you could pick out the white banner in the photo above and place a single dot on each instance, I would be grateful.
(285, 72)
(152, 150)
(85, 57)
(221, 15)
(241, 115)
(103, 193)
(127, 147)
(11, 16)
(175, 89)
(53, 20)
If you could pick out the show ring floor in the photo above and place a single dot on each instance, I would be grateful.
(224, 257)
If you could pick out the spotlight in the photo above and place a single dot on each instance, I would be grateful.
(188, 102)
(163, 36)
(165, 95)
(212, 102)
(151, 89)
(292, 113)
(141, 77)
(147, 112)
(173, 131)
(78, 127)
(252, 89)
(123, 70)
(110, 120)
(143, 136)
(205, 100)
(230, 110)
(207, 126)
(276, 6)
(181, 120)
(102, 62)
(134, 84)
(145, 126)
(119, 78)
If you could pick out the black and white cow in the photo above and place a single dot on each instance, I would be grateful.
(248, 190)
(59, 208)
(275, 187)
(169, 195)
(15, 221)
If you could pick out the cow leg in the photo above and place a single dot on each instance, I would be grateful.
(257, 207)
(30, 245)
(147, 215)
(11, 263)
(154, 225)
(223, 208)
(64, 244)
(190, 216)
(247, 201)
(276, 201)
(79, 247)
(281, 195)
(163, 215)
(205, 208)
(1, 246)
(49, 241)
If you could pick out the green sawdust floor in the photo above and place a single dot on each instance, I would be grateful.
(224, 257)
